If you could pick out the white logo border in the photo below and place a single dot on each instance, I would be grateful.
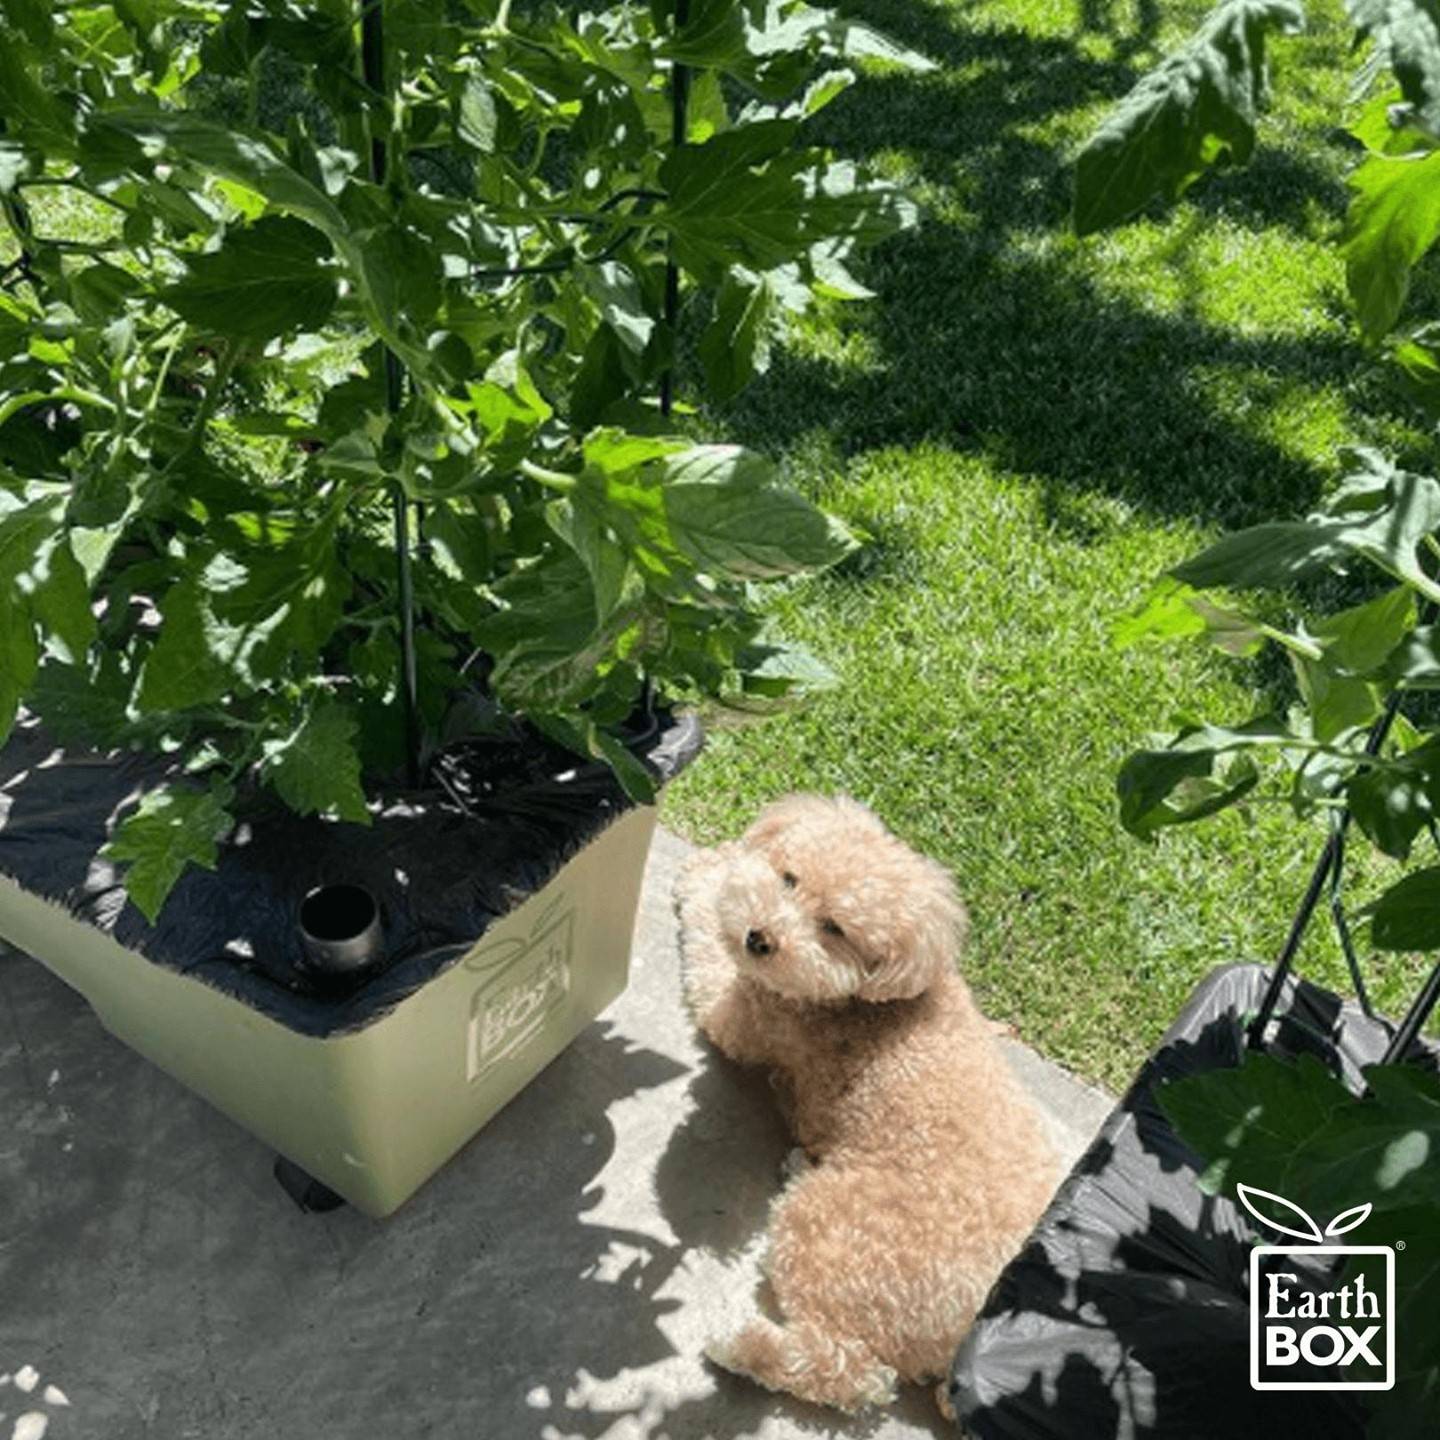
(1258, 1253)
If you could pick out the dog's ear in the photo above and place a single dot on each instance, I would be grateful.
(927, 929)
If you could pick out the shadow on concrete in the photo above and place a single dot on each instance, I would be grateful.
(557, 1280)
(151, 1268)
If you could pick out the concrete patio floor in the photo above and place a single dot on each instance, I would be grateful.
(557, 1279)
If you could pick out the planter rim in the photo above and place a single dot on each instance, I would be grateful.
(441, 878)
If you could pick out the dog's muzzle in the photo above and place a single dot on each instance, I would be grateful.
(757, 942)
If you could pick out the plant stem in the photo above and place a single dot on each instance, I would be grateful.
(16, 403)
(176, 325)
(679, 133)
(195, 435)
(372, 62)
(550, 479)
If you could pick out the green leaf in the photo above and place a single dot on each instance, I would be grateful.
(1250, 1121)
(761, 44)
(604, 558)
(250, 161)
(634, 778)
(1171, 611)
(85, 707)
(100, 290)
(1390, 807)
(1336, 702)
(476, 120)
(265, 280)
(275, 609)
(1418, 357)
(1359, 640)
(825, 88)
(1382, 1148)
(1415, 662)
(403, 272)
(735, 346)
(33, 17)
(547, 638)
(1272, 555)
(191, 662)
(1195, 111)
(1165, 614)
(1407, 34)
(1278, 554)
(617, 293)
(247, 617)
(174, 826)
(459, 543)
(1393, 220)
(1159, 788)
(60, 598)
(748, 196)
(773, 669)
(35, 115)
(727, 513)
(226, 152)
(19, 659)
(316, 770)
(1383, 126)
(1407, 915)
(36, 561)
(1407, 1411)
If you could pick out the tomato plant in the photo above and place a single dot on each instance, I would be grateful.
(371, 311)
(1347, 748)
(1199, 110)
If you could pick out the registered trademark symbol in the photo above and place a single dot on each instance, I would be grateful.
(1399, 1244)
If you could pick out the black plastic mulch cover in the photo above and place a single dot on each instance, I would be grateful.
(1127, 1312)
(441, 875)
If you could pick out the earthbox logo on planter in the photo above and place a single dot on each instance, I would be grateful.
(1304, 1319)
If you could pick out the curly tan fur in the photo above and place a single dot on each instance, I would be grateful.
(821, 947)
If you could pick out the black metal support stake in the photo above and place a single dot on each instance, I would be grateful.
(1329, 857)
(372, 60)
(679, 132)
(1415, 1018)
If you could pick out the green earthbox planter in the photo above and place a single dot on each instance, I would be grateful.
(506, 931)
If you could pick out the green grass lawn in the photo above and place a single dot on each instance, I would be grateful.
(1031, 428)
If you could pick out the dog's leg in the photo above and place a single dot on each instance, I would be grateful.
(809, 1363)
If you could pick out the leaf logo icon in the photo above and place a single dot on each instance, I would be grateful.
(1312, 1230)
(1344, 1221)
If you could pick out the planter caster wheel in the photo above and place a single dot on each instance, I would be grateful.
(304, 1189)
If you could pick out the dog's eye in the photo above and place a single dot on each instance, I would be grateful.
(789, 878)
(831, 928)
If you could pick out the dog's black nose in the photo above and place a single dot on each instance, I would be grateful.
(757, 942)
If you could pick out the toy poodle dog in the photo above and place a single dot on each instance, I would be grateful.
(823, 948)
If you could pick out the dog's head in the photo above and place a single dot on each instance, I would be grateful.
(821, 902)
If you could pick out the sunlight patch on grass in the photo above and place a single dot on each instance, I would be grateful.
(1041, 426)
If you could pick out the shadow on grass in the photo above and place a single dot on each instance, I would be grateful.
(991, 331)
